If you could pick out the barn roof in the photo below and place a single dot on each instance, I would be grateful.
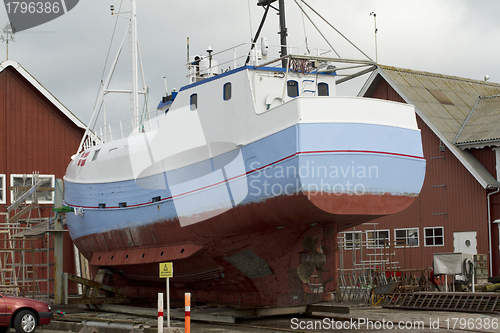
(463, 113)
(42, 90)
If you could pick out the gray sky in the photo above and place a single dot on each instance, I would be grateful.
(67, 55)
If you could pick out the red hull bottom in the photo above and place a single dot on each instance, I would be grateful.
(247, 256)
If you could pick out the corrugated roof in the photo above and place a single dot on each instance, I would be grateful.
(445, 103)
(483, 125)
(448, 100)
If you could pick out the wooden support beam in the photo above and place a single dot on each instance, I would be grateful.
(23, 197)
(22, 212)
(91, 292)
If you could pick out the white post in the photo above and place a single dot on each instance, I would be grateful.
(160, 312)
(473, 280)
(77, 267)
(168, 302)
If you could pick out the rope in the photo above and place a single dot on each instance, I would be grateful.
(106, 62)
(314, 25)
(331, 26)
(304, 26)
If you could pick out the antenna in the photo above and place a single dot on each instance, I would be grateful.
(8, 31)
(375, 21)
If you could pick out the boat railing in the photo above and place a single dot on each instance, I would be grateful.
(238, 56)
(243, 54)
(123, 128)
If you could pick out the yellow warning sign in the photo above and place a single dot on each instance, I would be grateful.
(166, 270)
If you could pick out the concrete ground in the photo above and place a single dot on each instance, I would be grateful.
(360, 319)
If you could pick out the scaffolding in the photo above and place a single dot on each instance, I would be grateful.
(372, 262)
(369, 259)
(25, 242)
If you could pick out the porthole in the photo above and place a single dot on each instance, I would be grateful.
(161, 254)
(193, 102)
(292, 88)
(227, 91)
(323, 89)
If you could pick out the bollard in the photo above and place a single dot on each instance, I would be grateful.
(160, 312)
(187, 320)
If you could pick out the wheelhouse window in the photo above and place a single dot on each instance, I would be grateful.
(352, 240)
(406, 237)
(96, 153)
(323, 89)
(434, 236)
(22, 183)
(292, 88)
(227, 91)
(377, 238)
(3, 199)
(193, 102)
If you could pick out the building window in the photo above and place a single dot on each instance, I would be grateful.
(227, 91)
(22, 183)
(193, 102)
(323, 89)
(406, 237)
(3, 199)
(434, 236)
(352, 240)
(377, 238)
(292, 88)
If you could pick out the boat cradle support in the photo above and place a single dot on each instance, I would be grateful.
(91, 291)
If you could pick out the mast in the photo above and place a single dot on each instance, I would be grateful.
(135, 90)
(89, 138)
(283, 33)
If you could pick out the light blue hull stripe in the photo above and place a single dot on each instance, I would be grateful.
(339, 158)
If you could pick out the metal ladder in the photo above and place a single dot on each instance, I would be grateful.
(463, 302)
(307, 82)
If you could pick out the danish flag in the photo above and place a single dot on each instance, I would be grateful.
(83, 159)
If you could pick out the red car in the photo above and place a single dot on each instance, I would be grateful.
(24, 314)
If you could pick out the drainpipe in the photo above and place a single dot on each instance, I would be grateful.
(489, 231)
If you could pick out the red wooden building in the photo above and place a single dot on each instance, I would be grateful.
(458, 209)
(37, 134)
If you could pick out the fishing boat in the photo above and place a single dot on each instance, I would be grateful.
(242, 178)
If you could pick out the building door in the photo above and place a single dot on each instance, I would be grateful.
(465, 242)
